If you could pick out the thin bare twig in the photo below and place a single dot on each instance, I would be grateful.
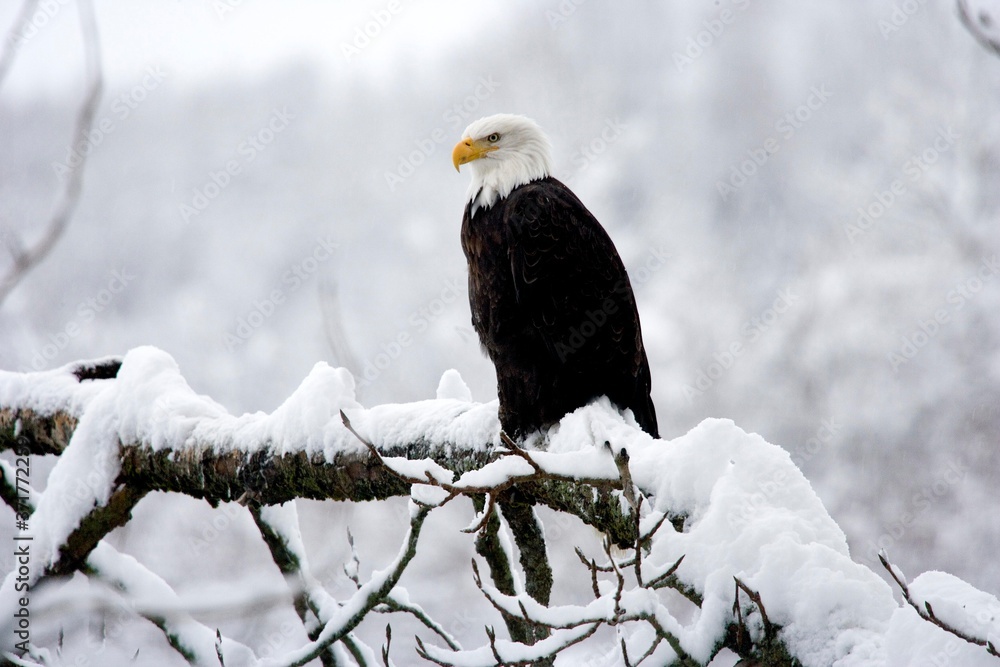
(12, 45)
(652, 531)
(26, 259)
(624, 649)
(927, 613)
(335, 631)
(480, 525)
(652, 647)
(618, 576)
(755, 598)
(978, 25)
(516, 449)
(388, 643)
(218, 647)
(591, 565)
(392, 605)
(336, 337)
(454, 490)
(659, 581)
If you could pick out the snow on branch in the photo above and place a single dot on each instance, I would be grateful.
(969, 614)
(350, 613)
(137, 588)
(712, 541)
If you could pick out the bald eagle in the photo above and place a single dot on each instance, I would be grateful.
(550, 297)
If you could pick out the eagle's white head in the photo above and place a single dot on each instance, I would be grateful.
(503, 151)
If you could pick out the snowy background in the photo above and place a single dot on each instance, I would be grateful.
(805, 195)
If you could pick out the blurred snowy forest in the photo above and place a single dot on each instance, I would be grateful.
(806, 196)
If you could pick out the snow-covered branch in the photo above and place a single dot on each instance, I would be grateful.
(971, 615)
(137, 587)
(712, 542)
(352, 612)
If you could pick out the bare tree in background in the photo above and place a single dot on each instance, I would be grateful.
(25, 257)
(336, 337)
(983, 22)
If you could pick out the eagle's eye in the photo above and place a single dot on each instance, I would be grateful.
(493, 138)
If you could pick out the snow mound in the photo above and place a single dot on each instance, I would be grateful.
(453, 386)
(958, 604)
(752, 515)
(49, 391)
(912, 640)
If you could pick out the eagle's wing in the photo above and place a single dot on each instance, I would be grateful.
(571, 283)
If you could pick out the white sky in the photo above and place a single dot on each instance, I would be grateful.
(197, 41)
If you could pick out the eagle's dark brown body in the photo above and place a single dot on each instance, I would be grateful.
(553, 308)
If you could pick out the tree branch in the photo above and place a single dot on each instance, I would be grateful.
(289, 562)
(25, 260)
(11, 45)
(530, 541)
(167, 438)
(94, 527)
(125, 574)
(983, 26)
(490, 549)
(927, 612)
(369, 596)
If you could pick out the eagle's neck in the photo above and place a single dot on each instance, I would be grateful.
(482, 198)
(494, 178)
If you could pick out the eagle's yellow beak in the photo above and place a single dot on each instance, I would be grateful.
(468, 150)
